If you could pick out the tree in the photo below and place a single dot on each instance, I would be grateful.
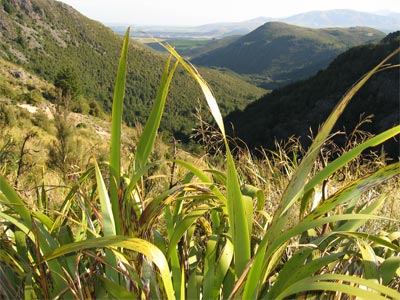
(67, 81)
(61, 151)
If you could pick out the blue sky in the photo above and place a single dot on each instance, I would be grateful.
(181, 12)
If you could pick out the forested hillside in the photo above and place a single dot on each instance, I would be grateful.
(46, 36)
(276, 53)
(276, 116)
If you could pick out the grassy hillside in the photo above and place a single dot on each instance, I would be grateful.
(278, 53)
(25, 114)
(275, 116)
(45, 36)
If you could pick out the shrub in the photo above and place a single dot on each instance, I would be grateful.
(95, 109)
(8, 8)
(41, 120)
(34, 97)
(81, 125)
(80, 105)
(67, 81)
(61, 151)
(7, 116)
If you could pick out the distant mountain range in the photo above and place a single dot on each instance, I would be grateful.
(346, 18)
(387, 22)
(276, 53)
(294, 109)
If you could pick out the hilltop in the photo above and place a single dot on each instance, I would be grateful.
(278, 53)
(45, 36)
(294, 109)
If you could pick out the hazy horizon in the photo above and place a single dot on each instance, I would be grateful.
(182, 13)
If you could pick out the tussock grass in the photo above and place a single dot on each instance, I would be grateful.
(238, 231)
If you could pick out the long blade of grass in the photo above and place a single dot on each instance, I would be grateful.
(116, 125)
(29, 292)
(389, 268)
(108, 223)
(14, 201)
(350, 155)
(369, 261)
(183, 226)
(146, 142)
(105, 203)
(355, 224)
(317, 283)
(115, 290)
(183, 284)
(193, 286)
(204, 178)
(135, 244)
(224, 262)
(176, 272)
(354, 190)
(253, 282)
(236, 210)
(303, 269)
(212, 103)
(209, 289)
(237, 218)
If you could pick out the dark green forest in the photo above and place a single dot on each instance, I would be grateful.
(294, 109)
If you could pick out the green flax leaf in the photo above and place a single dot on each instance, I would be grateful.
(146, 142)
(144, 247)
(116, 126)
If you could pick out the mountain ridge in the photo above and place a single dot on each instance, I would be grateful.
(345, 18)
(280, 53)
(387, 23)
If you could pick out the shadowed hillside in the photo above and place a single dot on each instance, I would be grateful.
(276, 116)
